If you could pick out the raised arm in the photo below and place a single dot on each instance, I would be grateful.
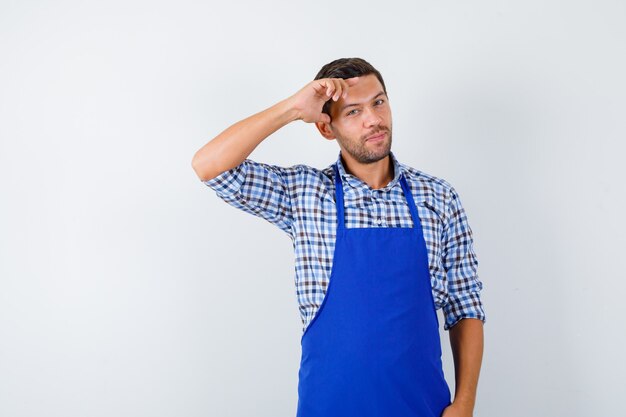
(231, 147)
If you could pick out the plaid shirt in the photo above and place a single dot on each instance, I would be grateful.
(300, 200)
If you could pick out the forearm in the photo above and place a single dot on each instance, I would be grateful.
(466, 341)
(231, 147)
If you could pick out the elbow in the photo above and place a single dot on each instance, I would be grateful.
(202, 167)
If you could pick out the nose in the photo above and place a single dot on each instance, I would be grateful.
(371, 117)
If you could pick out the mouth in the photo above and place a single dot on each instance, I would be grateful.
(376, 138)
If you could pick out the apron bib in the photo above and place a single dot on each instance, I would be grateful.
(373, 348)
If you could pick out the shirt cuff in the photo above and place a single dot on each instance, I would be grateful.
(467, 307)
(228, 182)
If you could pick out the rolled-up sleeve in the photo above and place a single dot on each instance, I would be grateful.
(259, 189)
(461, 265)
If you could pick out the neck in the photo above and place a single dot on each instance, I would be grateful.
(376, 174)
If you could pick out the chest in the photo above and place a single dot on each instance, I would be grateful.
(315, 213)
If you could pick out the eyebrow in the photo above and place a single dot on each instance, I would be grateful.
(356, 104)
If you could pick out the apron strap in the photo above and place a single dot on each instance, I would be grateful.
(409, 199)
(340, 206)
(339, 199)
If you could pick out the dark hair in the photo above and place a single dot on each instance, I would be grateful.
(347, 68)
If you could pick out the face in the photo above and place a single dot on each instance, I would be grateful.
(361, 122)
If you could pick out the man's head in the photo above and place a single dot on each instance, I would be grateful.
(360, 116)
(347, 68)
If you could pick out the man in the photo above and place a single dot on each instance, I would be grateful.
(379, 247)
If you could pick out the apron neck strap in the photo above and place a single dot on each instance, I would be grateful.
(339, 199)
(410, 201)
(340, 206)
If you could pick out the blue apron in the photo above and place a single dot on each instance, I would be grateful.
(373, 348)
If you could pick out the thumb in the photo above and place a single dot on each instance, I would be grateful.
(323, 118)
(352, 81)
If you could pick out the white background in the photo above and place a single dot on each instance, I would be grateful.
(128, 288)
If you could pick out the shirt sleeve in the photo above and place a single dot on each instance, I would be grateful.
(259, 189)
(461, 265)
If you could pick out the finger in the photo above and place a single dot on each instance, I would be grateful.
(330, 87)
(344, 88)
(338, 88)
(352, 81)
(319, 87)
(322, 87)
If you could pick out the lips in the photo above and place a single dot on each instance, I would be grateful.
(376, 136)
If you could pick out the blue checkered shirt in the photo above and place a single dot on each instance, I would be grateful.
(300, 200)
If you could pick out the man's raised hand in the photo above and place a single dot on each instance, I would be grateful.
(309, 101)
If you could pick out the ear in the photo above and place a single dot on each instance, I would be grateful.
(325, 130)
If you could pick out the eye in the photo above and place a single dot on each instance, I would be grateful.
(351, 112)
(380, 100)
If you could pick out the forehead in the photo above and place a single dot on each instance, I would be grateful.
(363, 91)
(367, 87)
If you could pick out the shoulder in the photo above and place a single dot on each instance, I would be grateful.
(432, 191)
(427, 182)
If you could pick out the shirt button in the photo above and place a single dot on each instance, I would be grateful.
(379, 221)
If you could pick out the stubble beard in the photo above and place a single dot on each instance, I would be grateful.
(366, 153)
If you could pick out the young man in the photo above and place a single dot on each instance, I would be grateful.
(379, 247)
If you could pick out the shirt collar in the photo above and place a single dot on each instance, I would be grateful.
(354, 181)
